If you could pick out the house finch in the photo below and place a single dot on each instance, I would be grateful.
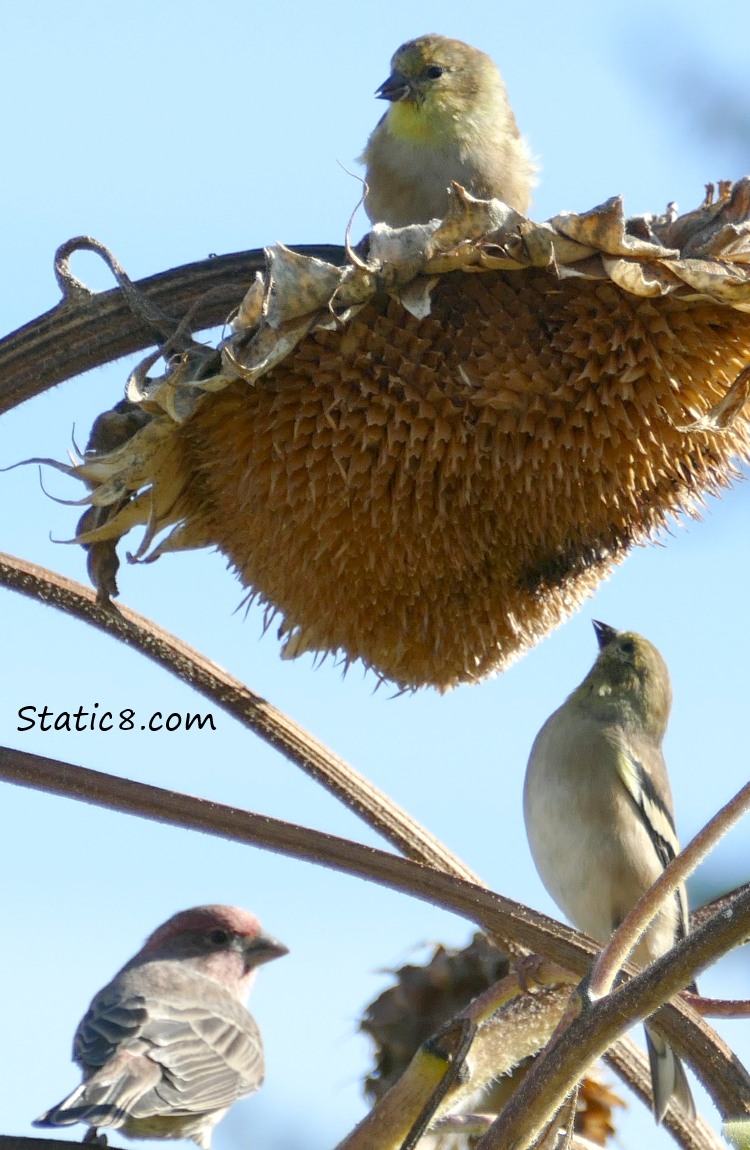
(449, 119)
(168, 1045)
(598, 810)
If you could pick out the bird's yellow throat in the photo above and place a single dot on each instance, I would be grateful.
(416, 122)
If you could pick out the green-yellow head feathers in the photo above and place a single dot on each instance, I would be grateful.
(631, 677)
(437, 84)
(449, 120)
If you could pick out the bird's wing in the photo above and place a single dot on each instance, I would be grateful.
(108, 1097)
(111, 1022)
(209, 1058)
(167, 1054)
(655, 814)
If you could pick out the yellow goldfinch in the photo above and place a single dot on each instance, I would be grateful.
(598, 811)
(449, 119)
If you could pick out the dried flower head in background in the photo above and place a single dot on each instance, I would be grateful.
(424, 997)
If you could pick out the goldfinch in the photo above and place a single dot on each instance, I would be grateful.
(449, 119)
(598, 812)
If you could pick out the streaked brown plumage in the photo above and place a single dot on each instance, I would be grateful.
(168, 1045)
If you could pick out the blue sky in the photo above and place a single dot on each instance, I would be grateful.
(169, 135)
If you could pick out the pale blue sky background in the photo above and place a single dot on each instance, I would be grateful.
(172, 130)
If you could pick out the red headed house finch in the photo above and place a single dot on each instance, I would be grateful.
(168, 1045)
(449, 118)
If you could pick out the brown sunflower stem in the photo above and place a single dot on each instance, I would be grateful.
(724, 1077)
(630, 1062)
(89, 329)
(562, 944)
(625, 938)
(719, 1007)
(16, 1142)
(701, 914)
(600, 1021)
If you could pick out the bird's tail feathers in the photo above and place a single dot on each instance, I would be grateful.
(668, 1078)
(77, 1107)
(64, 1114)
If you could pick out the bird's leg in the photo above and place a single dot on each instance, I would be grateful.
(94, 1138)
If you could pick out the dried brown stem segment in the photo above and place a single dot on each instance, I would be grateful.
(90, 329)
(725, 1079)
(597, 1023)
(260, 716)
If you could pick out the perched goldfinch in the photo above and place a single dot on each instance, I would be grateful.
(449, 119)
(598, 811)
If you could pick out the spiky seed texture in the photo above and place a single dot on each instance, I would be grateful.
(599, 816)
(432, 494)
(449, 118)
(168, 1045)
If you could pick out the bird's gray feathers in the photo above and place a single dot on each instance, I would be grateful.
(668, 1076)
(146, 1054)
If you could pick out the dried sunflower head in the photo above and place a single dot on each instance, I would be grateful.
(424, 997)
(427, 458)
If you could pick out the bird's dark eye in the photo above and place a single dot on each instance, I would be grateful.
(434, 72)
(627, 647)
(219, 937)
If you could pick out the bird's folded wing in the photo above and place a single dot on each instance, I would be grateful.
(172, 1055)
(656, 819)
(111, 1022)
(654, 815)
(209, 1060)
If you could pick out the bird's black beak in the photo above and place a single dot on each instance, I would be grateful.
(604, 633)
(396, 87)
(264, 948)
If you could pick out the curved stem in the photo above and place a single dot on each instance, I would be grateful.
(587, 1036)
(90, 329)
(254, 712)
(724, 1077)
